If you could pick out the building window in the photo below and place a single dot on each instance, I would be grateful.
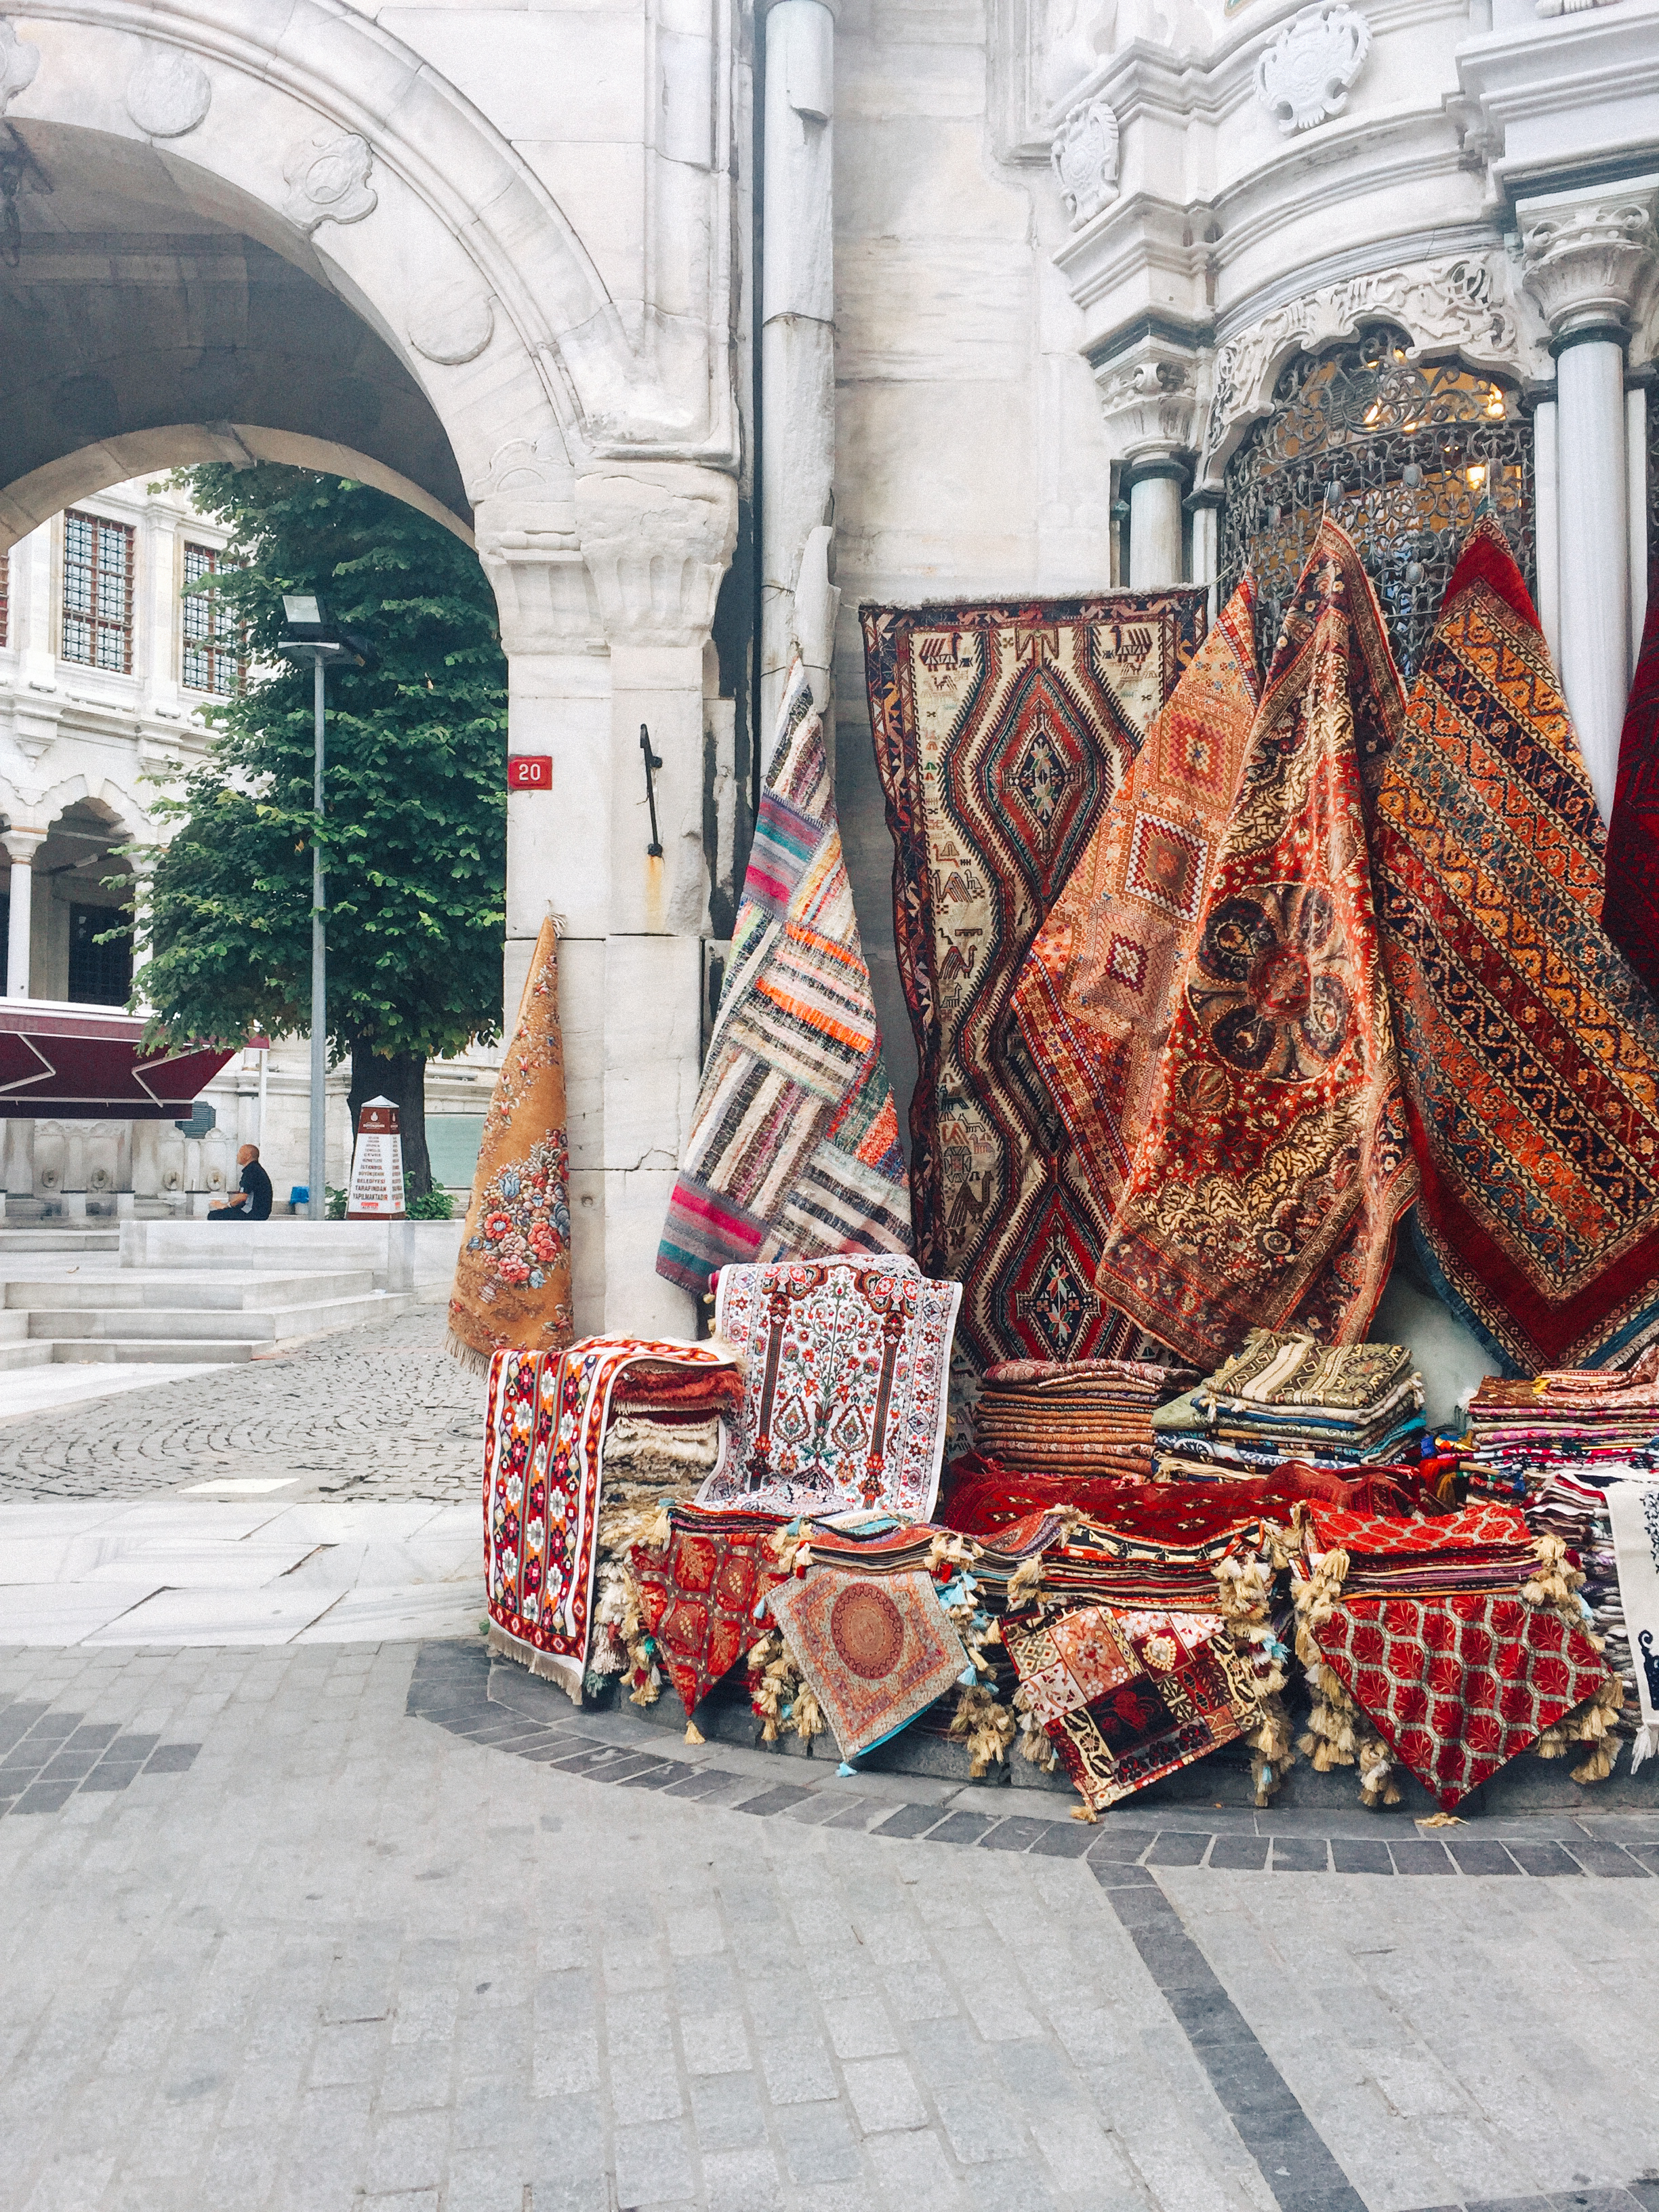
(1403, 453)
(5, 595)
(98, 591)
(215, 655)
(100, 974)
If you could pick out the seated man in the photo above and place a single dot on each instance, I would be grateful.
(253, 1201)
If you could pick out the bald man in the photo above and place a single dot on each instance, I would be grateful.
(253, 1201)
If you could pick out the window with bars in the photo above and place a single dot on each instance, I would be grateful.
(98, 591)
(216, 643)
(5, 594)
(100, 974)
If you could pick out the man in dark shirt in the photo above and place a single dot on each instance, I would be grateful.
(253, 1201)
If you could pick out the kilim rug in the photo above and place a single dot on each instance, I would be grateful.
(1276, 1162)
(1630, 912)
(1095, 997)
(1126, 1697)
(875, 1652)
(1530, 1048)
(1001, 733)
(845, 1373)
(543, 1436)
(512, 1290)
(794, 1145)
(1456, 1686)
(699, 1594)
(1634, 1511)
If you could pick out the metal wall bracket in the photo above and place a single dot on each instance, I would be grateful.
(652, 760)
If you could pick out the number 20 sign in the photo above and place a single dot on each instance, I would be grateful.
(530, 771)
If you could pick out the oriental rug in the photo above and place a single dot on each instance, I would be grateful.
(846, 1375)
(1456, 1686)
(1634, 1511)
(1530, 1047)
(544, 1451)
(1001, 733)
(699, 1593)
(1126, 1697)
(794, 1146)
(512, 1290)
(1096, 995)
(1276, 1162)
(1629, 911)
(874, 1652)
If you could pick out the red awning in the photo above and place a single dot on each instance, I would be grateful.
(87, 1063)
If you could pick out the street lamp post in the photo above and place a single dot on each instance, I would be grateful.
(311, 636)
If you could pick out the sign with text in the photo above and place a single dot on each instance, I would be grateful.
(377, 1166)
(530, 771)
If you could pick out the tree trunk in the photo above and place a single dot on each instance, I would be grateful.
(400, 1076)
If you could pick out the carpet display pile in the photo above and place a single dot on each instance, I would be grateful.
(1567, 1418)
(1289, 1397)
(1088, 1417)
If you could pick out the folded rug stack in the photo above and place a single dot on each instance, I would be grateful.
(1291, 1397)
(1088, 1417)
(1571, 1417)
(1572, 1505)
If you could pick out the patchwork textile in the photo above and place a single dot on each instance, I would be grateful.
(1458, 1685)
(1634, 1511)
(1001, 733)
(1276, 1162)
(794, 1146)
(698, 1594)
(1530, 1047)
(543, 1441)
(845, 1371)
(1095, 998)
(512, 1290)
(874, 1650)
(1126, 1696)
(1630, 912)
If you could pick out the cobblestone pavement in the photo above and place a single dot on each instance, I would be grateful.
(359, 1956)
(376, 1413)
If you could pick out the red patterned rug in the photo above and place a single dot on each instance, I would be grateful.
(1530, 1048)
(875, 1651)
(1276, 1163)
(1001, 733)
(1630, 913)
(1456, 1686)
(699, 1594)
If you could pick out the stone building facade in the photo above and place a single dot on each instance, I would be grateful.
(706, 321)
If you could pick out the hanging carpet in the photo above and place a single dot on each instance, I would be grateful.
(875, 1652)
(545, 1429)
(845, 1371)
(794, 1146)
(1001, 733)
(698, 1594)
(1276, 1164)
(1095, 997)
(1630, 912)
(1530, 1048)
(512, 1290)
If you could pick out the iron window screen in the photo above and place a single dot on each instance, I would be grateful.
(214, 641)
(98, 591)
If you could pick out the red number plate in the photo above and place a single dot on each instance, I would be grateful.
(530, 771)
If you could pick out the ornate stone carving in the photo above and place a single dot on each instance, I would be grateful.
(657, 536)
(1086, 156)
(1586, 262)
(1150, 400)
(168, 93)
(19, 61)
(328, 177)
(1461, 303)
(538, 465)
(1302, 77)
(453, 332)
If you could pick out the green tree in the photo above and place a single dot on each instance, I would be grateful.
(414, 831)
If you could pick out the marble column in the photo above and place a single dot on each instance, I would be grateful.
(1149, 398)
(1546, 514)
(1590, 260)
(23, 845)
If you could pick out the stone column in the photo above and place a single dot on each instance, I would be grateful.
(1636, 403)
(657, 538)
(1149, 397)
(1590, 260)
(23, 845)
(1546, 511)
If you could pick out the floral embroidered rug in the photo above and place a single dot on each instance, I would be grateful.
(698, 1594)
(512, 1290)
(1276, 1164)
(1631, 910)
(1126, 1696)
(846, 1371)
(875, 1650)
(1001, 733)
(1095, 997)
(543, 1446)
(1530, 1047)
(795, 1147)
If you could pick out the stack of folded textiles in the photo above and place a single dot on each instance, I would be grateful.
(1089, 1417)
(1572, 1504)
(1570, 1418)
(1284, 1397)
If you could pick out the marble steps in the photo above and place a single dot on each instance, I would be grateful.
(192, 1333)
(204, 1291)
(62, 1243)
(17, 1349)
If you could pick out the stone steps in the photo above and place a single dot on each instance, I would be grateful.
(256, 1326)
(133, 1288)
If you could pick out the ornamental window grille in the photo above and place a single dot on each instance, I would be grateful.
(98, 591)
(1403, 453)
(100, 955)
(214, 641)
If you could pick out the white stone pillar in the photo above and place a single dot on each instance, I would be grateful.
(23, 845)
(1546, 514)
(798, 307)
(1155, 551)
(1589, 259)
(657, 538)
(1149, 398)
(1636, 449)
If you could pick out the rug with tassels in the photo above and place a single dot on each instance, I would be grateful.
(875, 1650)
(699, 1591)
